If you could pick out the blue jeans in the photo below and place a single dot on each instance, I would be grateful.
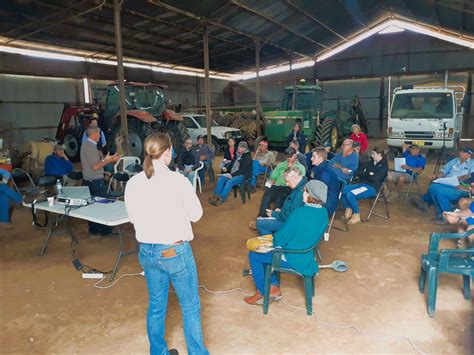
(257, 264)
(202, 172)
(180, 269)
(349, 200)
(443, 197)
(224, 185)
(268, 225)
(189, 175)
(257, 169)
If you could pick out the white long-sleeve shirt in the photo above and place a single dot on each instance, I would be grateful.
(162, 208)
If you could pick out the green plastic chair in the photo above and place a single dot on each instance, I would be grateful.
(450, 261)
(309, 288)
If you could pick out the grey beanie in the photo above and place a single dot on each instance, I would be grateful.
(243, 144)
(317, 189)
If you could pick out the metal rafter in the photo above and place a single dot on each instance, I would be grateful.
(313, 18)
(286, 28)
(222, 26)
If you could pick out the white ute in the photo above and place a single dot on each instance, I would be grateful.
(425, 116)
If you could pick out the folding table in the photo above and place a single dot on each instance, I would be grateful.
(110, 214)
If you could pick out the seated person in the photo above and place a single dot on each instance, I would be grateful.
(363, 158)
(301, 157)
(322, 172)
(297, 135)
(187, 162)
(441, 195)
(303, 228)
(464, 219)
(370, 180)
(358, 136)
(264, 157)
(8, 198)
(345, 163)
(275, 218)
(57, 164)
(327, 147)
(229, 152)
(94, 123)
(414, 164)
(278, 192)
(239, 170)
(204, 153)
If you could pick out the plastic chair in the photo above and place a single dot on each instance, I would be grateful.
(380, 197)
(122, 178)
(309, 287)
(197, 179)
(268, 170)
(133, 169)
(124, 162)
(450, 261)
(244, 188)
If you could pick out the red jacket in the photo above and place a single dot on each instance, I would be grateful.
(362, 139)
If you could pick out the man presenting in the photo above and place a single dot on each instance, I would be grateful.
(93, 172)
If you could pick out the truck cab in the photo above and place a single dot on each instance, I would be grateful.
(429, 117)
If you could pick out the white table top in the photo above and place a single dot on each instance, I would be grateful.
(111, 214)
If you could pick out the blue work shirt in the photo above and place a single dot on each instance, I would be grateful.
(454, 167)
(323, 173)
(350, 162)
(418, 161)
(57, 166)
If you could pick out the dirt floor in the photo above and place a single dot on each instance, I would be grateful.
(48, 308)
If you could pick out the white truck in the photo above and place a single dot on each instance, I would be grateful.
(196, 125)
(426, 116)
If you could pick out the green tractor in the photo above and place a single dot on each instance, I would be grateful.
(303, 104)
(146, 114)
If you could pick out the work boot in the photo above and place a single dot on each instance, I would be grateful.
(173, 352)
(253, 225)
(213, 200)
(419, 203)
(254, 299)
(348, 213)
(275, 295)
(6, 225)
(354, 219)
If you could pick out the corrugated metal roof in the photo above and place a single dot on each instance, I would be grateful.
(171, 31)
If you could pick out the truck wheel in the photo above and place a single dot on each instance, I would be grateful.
(178, 134)
(72, 144)
(328, 132)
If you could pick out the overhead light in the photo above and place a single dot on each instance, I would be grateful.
(391, 29)
(87, 98)
(41, 54)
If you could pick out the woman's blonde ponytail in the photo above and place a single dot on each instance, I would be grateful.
(155, 145)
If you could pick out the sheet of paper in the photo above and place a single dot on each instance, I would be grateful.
(268, 184)
(398, 164)
(450, 181)
(359, 190)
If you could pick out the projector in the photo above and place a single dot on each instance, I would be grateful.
(74, 196)
(71, 201)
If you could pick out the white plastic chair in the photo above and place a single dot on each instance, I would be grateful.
(197, 179)
(123, 162)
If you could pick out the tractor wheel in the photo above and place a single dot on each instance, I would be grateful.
(328, 132)
(216, 147)
(137, 133)
(72, 144)
(178, 134)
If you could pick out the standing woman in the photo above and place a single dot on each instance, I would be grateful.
(358, 136)
(161, 204)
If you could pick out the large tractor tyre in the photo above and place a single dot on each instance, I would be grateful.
(72, 144)
(137, 132)
(178, 134)
(328, 132)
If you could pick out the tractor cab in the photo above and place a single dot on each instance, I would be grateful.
(300, 104)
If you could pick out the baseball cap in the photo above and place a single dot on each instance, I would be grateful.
(466, 150)
(326, 145)
(317, 189)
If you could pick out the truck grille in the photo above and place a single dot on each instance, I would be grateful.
(419, 134)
